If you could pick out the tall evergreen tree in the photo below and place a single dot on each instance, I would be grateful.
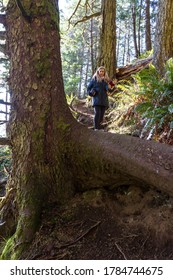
(107, 53)
(147, 26)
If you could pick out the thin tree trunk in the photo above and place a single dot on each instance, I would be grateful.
(134, 31)
(147, 26)
(124, 49)
(139, 28)
(128, 44)
(92, 47)
(82, 54)
(118, 46)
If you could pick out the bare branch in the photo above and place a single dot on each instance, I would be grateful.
(3, 112)
(3, 102)
(77, 6)
(85, 18)
(120, 250)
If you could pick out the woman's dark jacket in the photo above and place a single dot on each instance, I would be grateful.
(98, 91)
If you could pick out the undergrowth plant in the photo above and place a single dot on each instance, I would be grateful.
(153, 98)
(117, 116)
(5, 160)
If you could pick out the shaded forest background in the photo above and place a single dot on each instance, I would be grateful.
(81, 31)
(142, 104)
(135, 108)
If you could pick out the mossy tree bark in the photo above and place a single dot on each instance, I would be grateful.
(40, 119)
(53, 155)
(107, 48)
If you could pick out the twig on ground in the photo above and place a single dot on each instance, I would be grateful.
(80, 237)
(119, 249)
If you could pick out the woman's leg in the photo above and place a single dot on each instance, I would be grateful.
(97, 116)
(102, 112)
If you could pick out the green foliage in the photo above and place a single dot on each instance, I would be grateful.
(80, 40)
(5, 159)
(146, 54)
(76, 45)
(70, 98)
(154, 96)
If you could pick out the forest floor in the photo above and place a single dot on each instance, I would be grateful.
(130, 222)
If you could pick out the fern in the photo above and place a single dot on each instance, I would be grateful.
(153, 96)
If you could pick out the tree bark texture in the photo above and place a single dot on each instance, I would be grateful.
(54, 156)
(37, 89)
(107, 52)
(133, 8)
(147, 26)
(163, 44)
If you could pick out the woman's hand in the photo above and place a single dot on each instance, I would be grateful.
(92, 92)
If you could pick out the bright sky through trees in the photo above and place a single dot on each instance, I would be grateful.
(62, 3)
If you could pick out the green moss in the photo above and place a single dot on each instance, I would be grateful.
(30, 204)
(38, 140)
(62, 125)
(6, 253)
(44, 7)
(53, 13)
(11, 250)
(38, 9)
(43, 66)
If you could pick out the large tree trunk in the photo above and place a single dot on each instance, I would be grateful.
(40, 118)
(53, 155)
(163, 44)
(107, 51)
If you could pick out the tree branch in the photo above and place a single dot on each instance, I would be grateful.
(77, 6)
(80, 237)
(3, 102)
(85, 18)
(3, 112)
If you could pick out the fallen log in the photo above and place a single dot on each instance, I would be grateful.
(126, 71)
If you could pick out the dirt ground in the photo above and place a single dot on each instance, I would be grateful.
(131, 222)
(127, 223)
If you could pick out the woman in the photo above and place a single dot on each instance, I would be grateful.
(98, 88)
